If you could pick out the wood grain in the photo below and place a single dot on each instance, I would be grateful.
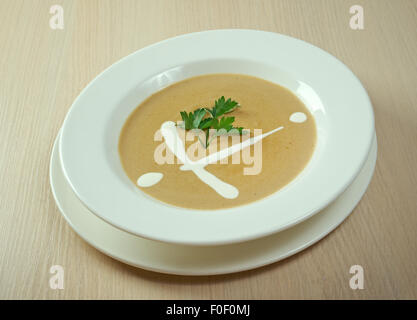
(43, 70)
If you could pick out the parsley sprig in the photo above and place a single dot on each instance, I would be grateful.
(196, 120)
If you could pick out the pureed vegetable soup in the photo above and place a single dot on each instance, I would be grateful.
(248, 175)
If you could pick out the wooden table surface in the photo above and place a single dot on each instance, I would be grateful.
(43, 70)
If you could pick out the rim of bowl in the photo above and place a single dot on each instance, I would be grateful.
(196, 220)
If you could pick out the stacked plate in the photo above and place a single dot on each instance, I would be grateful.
(107, 210)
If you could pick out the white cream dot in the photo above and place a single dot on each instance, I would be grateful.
(298, 117)
(149, 179)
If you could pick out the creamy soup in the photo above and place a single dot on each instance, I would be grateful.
(263, 105)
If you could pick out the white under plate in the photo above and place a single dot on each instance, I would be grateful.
(210, 260)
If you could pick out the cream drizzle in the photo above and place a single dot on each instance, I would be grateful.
(149, 179)
(174, 143)
(298, 117)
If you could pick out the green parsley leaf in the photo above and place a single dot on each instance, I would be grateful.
(188, 120)
(206, 123)
(198, 116)
(224, 123)
(222, 106)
